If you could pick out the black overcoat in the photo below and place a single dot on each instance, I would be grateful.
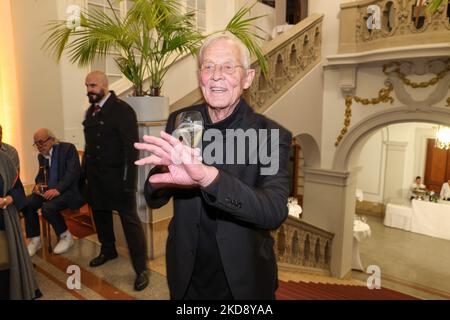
(110, 154)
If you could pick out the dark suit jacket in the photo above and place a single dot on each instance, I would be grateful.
(110, 154)
(247, 205)
(69, 171)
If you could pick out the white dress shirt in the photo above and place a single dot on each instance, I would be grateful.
(415, 186)
(445, 191)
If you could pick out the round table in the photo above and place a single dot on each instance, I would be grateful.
(361, 231)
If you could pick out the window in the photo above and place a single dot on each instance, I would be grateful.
(107, 64)
(199, 7)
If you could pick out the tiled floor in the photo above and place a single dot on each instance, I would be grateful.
(412, 263)
(113, 280)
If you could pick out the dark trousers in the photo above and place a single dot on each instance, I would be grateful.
(132, 228)
(4, 284)
(50, 211)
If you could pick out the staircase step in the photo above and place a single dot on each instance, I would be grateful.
(322, 291)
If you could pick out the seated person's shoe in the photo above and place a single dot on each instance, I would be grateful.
(141, 281)
(34, 246)
(101, 259)
(64, 244)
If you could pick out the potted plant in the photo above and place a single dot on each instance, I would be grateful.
(150, 38)
(433, 5)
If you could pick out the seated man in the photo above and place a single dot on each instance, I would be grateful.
(416, 186)
(445, 191)
(56, 189)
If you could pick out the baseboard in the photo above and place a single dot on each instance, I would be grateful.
(302, 269)
(155, 235)
(370, 208)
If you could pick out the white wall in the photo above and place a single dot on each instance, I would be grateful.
(330, 27)
(372, 162)
(39, 81)
(218, 13)
(299, 109)
(406, 164)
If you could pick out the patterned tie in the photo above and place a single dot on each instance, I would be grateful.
(97, 108)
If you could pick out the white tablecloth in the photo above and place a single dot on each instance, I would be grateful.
(429, 218)
(398, 216)
(361, 231)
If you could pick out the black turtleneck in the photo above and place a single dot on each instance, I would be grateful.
(208, 278)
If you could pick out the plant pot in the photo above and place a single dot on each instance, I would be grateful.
(149, 108)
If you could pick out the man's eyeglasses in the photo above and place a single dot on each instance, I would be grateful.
(208, 68)
(40, 142)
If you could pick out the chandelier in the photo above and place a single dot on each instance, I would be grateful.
(443, 138)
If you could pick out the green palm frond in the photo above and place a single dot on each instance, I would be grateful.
(148, 40)
(245, 30)
(434, 5)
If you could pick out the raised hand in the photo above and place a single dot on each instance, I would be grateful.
(184, 164)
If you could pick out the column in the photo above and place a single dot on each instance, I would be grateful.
(329, 204)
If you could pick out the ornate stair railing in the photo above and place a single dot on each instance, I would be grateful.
(300, 246)
(290, 56)
(401, 23)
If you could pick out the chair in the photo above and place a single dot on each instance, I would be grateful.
(76, 215)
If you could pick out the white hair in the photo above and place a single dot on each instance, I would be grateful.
(245, 53)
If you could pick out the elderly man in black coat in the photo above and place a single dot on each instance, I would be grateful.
(110, 129)
(225, 204)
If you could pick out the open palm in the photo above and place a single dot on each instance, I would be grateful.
(184, 164)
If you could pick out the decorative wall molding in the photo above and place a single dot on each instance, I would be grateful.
(397, 80)
(396, 145)
(389, 54)
(344, 152)
(325, 176)
(398, 73)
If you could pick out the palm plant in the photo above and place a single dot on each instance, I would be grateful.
(149, 39)
(433, 5)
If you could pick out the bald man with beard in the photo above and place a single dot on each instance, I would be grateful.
(110, 129)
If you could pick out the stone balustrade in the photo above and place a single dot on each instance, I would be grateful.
(401, 23)
(301, 245)
(290, 56)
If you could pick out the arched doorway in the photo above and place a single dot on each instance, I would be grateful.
(346, 159)
(304, 153)
(349, 149)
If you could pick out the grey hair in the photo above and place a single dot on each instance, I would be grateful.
(245, 53)
(50, 134)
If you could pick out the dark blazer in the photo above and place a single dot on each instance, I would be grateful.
(248, 205)
(69, 171)
(110, 154)
(18, 194)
